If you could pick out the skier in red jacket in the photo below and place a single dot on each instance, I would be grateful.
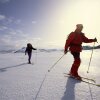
(74, 43)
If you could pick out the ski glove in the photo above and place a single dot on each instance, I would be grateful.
(95, 39)
(65, 51)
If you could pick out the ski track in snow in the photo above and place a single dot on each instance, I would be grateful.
(22, 81)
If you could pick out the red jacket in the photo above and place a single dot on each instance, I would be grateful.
(74, 41)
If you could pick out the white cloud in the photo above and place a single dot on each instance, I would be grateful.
(17, 21)
(2, 17)
(6, 39)
(4, 1)
(34, 22)
(12, 20)
(12, 33)
(3, 28)
(9, 20)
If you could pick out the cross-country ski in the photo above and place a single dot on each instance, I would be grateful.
(93, 80)
(83, 80)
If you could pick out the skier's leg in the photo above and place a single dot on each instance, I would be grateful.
(29, 59)
(76, 64)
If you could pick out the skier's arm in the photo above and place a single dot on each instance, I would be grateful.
(34, 48)
(25, 51)
(68, 41)
(86, 40)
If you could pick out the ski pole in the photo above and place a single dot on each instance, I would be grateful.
(55, 63)
(36, 57)
(90, 58)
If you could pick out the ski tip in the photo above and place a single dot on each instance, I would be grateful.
(87, 72)
(48, 70)
(98, 85)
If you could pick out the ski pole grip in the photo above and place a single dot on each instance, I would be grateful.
(96, 39)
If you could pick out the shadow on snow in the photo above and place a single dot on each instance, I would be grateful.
(4, 69)
(69, 93)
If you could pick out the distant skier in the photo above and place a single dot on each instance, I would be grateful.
(29, 51)
(74, 43)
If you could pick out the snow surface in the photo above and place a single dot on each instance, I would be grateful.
(22, 81)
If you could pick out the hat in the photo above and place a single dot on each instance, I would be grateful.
(79, 25)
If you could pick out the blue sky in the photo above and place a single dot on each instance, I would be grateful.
(45, 23)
